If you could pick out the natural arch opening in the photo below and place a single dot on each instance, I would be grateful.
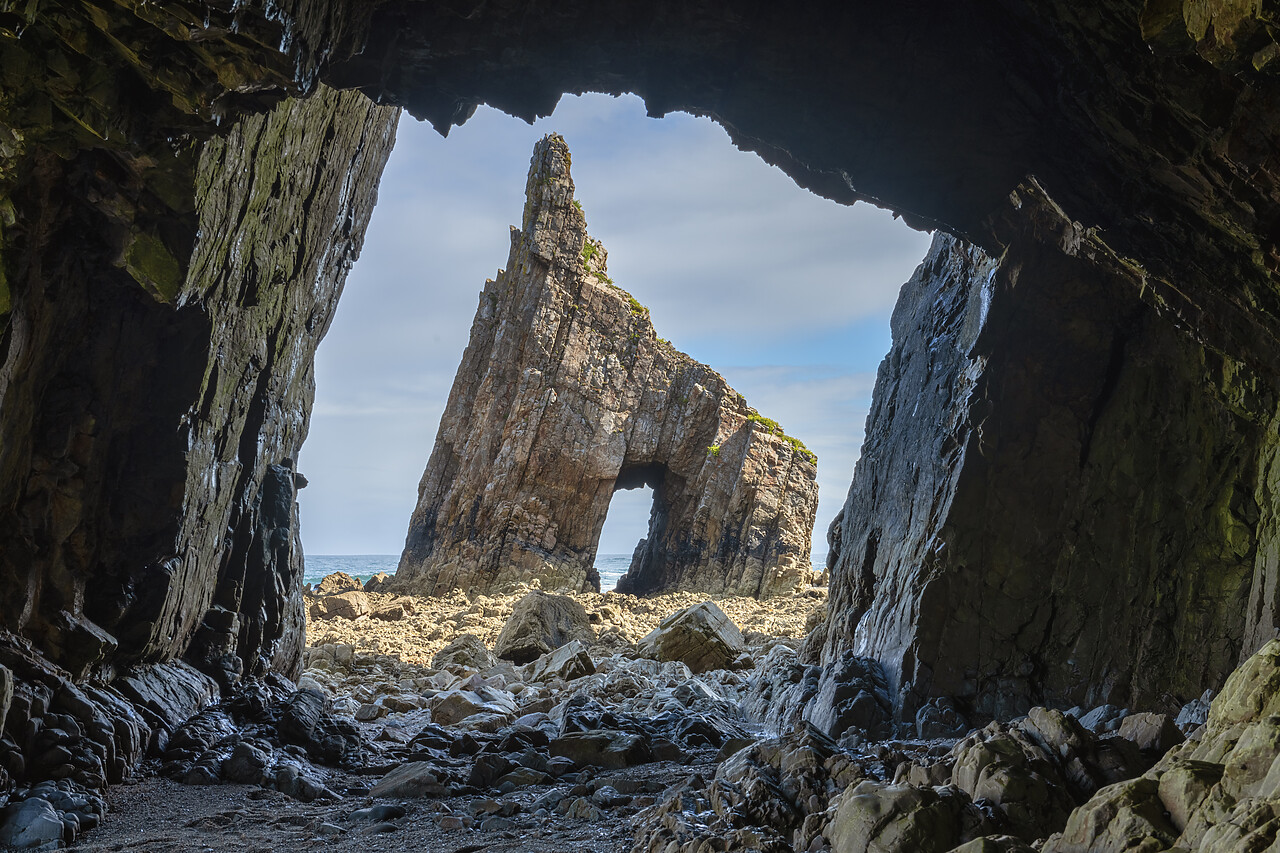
(647, 554)
(625, 526)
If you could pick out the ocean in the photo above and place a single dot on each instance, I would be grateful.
(365, 566)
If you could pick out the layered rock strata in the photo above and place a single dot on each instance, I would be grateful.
(152, 404)
(1049, 510)
(566, 394)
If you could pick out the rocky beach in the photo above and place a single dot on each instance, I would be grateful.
(539, 721)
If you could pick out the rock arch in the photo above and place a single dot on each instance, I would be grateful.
(564, 395)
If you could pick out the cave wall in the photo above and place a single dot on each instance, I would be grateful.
(151, 407)
(1062, 498)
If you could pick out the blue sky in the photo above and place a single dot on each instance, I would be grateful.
(786, 294)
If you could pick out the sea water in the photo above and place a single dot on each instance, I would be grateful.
(365, 566)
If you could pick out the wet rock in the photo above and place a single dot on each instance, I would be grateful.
(939, 718)
(770, 796)
(414, 779)
(30, 823)
(247, 765)
(539, 623)
(467, 651)
(611, 750)
(702, 637)
(1194, 714)
(1104, 719)
(454, 706)
(379, 812)
(335, 583)
(995, 844)
(852, 694)
(172, 693)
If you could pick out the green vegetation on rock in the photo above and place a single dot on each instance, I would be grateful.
(154, 267)
(773, 427)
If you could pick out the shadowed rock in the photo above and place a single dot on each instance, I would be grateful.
(540, 623)
(566, 394)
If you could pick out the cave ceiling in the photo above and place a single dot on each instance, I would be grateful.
(1155, 124)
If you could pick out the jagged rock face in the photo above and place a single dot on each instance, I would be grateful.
(149, 433)
(1071, 511)
(566, 394)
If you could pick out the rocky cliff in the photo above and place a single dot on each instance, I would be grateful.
(566, 394)
(973, 576)
(150, 413)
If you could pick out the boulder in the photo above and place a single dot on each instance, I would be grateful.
(852, 694)
(1127, 817)
(453, 706)
(702, 637)
(466, 650)
(539, 623)
(30, 823)
(612, 750)
(938, 719)
(568, 662)
(1104, 719)
(995, 844)
(351, 604)
(1014, 773)
(1151, 732)
(413, 779)
(903, 819)
(1194, 714)
(337, 582)
(1219, 792)
(378, 583)
(395, 609)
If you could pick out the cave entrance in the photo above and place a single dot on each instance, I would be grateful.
(783, 292)
(633, 523)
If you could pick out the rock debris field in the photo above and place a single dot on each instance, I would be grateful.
(541, 722)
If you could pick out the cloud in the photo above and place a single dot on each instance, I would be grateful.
(785, 293)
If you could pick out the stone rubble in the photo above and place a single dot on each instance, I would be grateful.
(760, 752)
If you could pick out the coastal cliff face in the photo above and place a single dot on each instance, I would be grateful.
(566, 394)
(150, 413)
(1106, 427)
(1119, 569)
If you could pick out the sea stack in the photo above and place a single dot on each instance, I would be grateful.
(565, 394)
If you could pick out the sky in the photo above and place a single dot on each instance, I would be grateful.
(786, 294)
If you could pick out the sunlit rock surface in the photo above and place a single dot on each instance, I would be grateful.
(566, 394)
